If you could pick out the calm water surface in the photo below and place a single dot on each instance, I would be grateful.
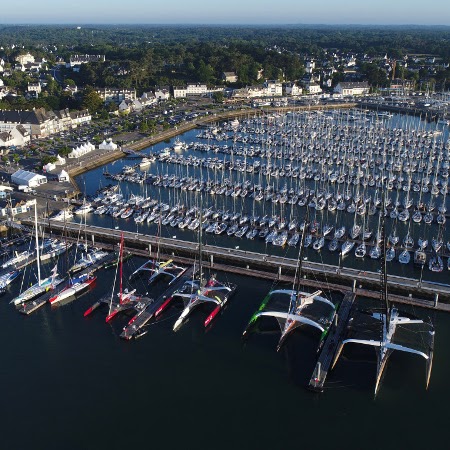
(71, 383)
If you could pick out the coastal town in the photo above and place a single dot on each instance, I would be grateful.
(230, 184)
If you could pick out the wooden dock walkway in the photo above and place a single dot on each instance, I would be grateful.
(137, 322)
(331, 343)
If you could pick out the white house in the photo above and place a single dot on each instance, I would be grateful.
(77, 60)
(314, 88)
(116, 95)
(162, 94)
(230, 77)
(273, 88)
(196, 89)
(80, 117)
(125, 106)
(310, 66)
(148, 99)
(352, 88)
(25, 178)
(293, 89)
(179, 92)
(17, 136)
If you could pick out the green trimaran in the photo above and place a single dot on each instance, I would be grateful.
(299, 309)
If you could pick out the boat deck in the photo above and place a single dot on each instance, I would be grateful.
(331, 343)
(30, 307)
(136, 324)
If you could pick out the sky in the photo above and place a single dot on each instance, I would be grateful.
(79, 12)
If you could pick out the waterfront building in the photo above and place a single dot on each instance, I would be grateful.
(273, 88)
(116, 95)
(17, 136)
(191, 89)
(196, 89)
(352, 88)
(25, 178)
(80, 117)
(41, 123)
(179, 92)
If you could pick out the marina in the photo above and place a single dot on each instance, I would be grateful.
(255, 224)
(273, 265)
(314, 199)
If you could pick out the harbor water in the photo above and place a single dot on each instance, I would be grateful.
(70, 382)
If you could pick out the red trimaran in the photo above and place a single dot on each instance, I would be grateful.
(127, 299)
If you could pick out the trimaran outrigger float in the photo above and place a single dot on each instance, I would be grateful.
(301, 308)
(159, 269)
(386, 330)
(196, 292)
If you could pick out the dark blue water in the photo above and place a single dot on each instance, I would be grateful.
(70, 382)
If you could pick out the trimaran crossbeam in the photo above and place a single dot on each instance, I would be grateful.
(390, 322)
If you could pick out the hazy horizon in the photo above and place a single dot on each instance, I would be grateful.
(232, 12)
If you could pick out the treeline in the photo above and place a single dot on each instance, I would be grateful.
(177, 63)
(306, 39)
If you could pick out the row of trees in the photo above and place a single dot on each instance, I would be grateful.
(115, 41)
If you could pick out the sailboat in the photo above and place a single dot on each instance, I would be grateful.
(200, 291)
(384, 328)
(156, 269)
(42, 285)
(7, 278)
(75, 286)
(127, 299)
(300, 308)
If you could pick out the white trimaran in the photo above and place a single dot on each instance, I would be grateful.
(392, 325)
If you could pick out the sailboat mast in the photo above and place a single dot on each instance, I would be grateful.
(300, 252)
(383, 271)
(37, 242)
(121, 266)
(200, 227)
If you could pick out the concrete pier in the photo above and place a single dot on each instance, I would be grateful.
(267, 266)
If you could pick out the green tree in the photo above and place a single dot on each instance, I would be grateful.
(91, 100)
(64, 151)
(143, 127)
(218, 97)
